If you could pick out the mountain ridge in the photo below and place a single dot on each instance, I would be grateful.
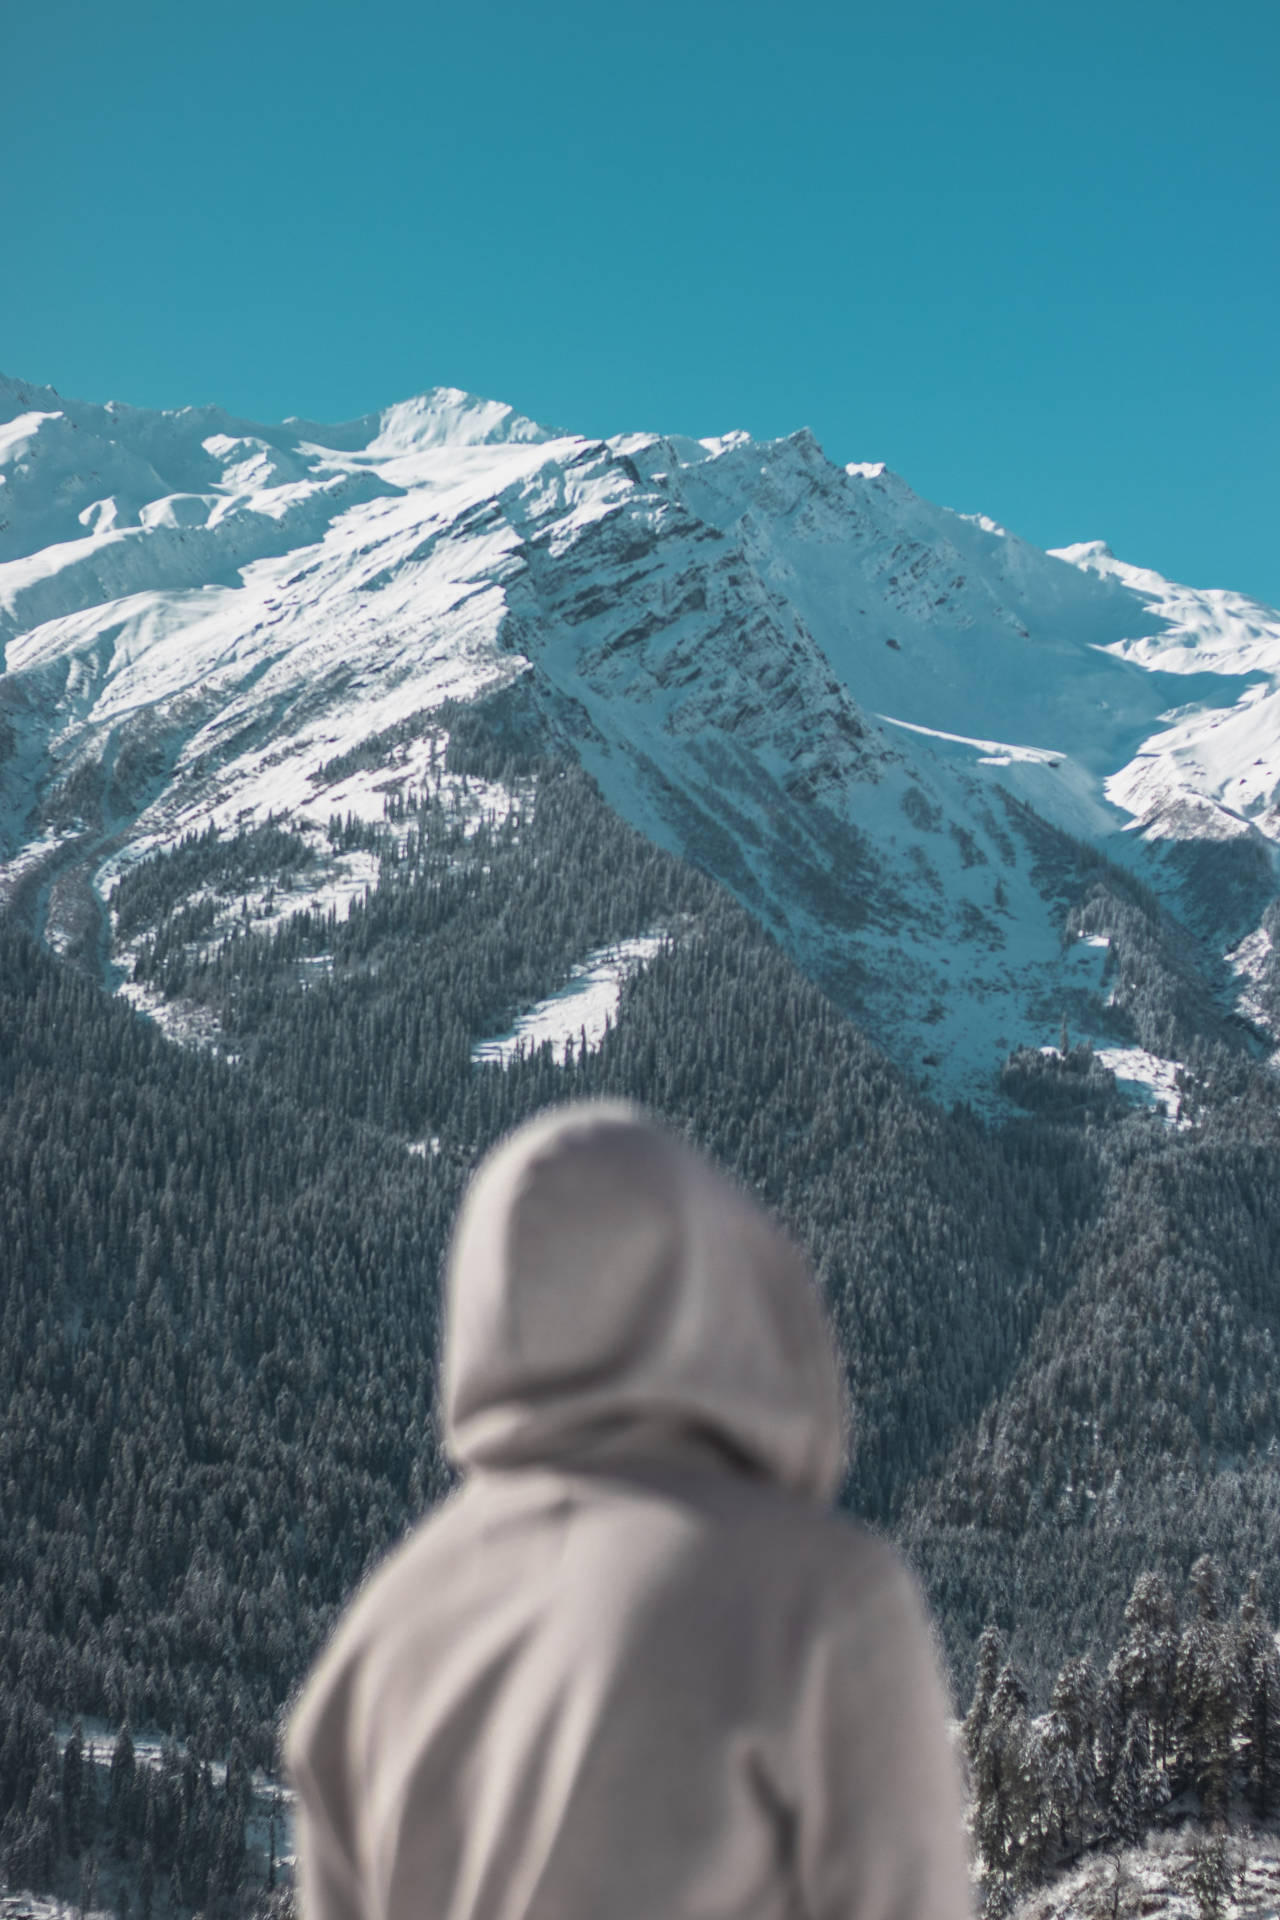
(829, 692)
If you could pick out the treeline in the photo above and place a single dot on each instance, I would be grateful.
(162, 1835)
(150, 892)
(1178, 1709)
(1164, 985)
(468, 924)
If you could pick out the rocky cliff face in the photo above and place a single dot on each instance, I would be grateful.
(857, 709)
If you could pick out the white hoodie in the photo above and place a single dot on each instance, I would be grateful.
(634, 1669)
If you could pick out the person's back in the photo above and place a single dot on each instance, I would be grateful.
(634, 1667)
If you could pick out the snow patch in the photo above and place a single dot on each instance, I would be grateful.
(995, 752)
(181, 1021)
(1146, 1078)
(585, 1004)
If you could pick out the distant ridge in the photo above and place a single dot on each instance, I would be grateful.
(823, 688)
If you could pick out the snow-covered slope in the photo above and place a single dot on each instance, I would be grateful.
(822, 687)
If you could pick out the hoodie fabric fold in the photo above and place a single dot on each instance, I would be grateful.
(633, 1669)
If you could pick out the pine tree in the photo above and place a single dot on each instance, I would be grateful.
(73, 1787)
(1137, 1789)
(1068, 1742)
(1008, 1795)
(1208, 1692)
(1143, 1670)
(1260, 1688)
(40, 1833)
(120, 1791)
(146, 1883)
(990, 1661)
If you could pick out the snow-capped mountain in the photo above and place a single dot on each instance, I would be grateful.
(832, 694)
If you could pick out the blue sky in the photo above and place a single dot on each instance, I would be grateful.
(1026, 253)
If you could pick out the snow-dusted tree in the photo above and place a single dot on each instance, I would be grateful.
(1068, 1754)
(990, 1662)
(1008, 1822)
(1260, 1703)
(1208, 1692)
(1138, 1787)
(1142, 1672)
(1114, 1897)
(31, 1859)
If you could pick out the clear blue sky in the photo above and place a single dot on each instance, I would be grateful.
(1026, 252)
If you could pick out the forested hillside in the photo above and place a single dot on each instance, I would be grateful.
(219, 1267)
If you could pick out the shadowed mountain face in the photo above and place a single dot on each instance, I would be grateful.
(836, 698)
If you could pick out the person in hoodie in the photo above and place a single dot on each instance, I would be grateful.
(634, 1668)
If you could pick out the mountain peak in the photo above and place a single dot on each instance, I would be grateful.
(1083, 553)
(438, 417)
(448, 417)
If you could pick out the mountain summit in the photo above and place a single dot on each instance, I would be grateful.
(885, 725)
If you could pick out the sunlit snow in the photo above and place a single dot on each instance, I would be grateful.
(1147, 1079)
(215, 611)
(1144, 1077)
(583, 1007)
(994, 752)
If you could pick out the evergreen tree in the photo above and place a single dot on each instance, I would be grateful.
(31, 1862)
(1138, 1787)
(1008, 1796)
(1142, 1672)
(1068, 1742)
(1208, 1692)
(74, 1786)
(120, 1793)
(1260, 1691)
(990, 1662)
(146, 1883)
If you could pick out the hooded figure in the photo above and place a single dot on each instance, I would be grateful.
(634, 1669)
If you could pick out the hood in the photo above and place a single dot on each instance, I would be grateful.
(609, 1289)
